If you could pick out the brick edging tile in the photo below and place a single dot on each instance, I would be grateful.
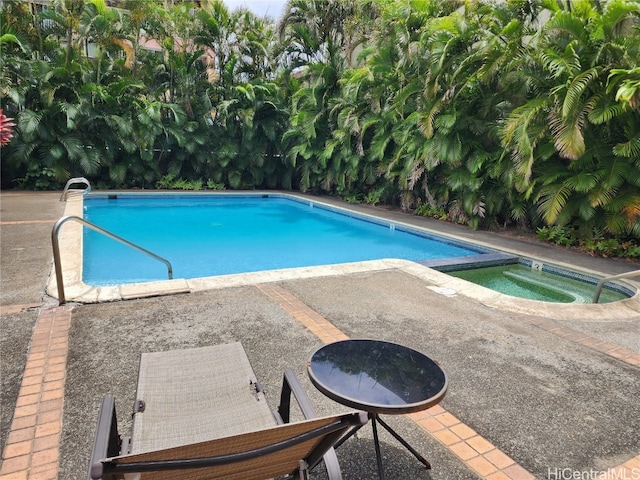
(11, 309)
(32, 447)
(611, 349)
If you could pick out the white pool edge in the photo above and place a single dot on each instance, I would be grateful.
(70, 240)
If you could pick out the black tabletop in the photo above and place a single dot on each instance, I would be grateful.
(377, 376)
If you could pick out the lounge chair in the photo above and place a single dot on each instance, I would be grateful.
(200, 413)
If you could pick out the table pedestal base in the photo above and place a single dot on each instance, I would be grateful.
(375, 419)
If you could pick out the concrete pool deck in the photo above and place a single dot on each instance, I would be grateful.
(532, 394)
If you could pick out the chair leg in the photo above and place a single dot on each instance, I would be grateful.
(303, 470)
(107, 440)
(291, 385)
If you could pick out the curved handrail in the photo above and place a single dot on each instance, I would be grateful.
(601, 283)
(74, 181)
(56, 249)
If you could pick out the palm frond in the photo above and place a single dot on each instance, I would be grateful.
(118, 172)
(71, 110)
(585, 211)
(575, 91)
(379, 144)
(521, 133)
(629, 149)
(427, 123)
(565, 23)
(604, 110)
(560, 64)
(29, 122)
(552, 200)
(568, 137)
(444, 123)
(583, 181)
(616, 17)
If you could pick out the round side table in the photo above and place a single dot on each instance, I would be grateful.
(378, 377)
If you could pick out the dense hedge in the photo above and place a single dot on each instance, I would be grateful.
(524, 112)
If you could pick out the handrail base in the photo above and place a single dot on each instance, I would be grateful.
(73, 181)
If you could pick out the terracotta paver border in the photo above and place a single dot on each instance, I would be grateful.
(11, 309)
(611, 349)
(32, 447)
(480, 455)
(473, 450)
(308, 317)
(27, 222)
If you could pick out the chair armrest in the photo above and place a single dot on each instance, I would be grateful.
(107, 440)
(291, 385)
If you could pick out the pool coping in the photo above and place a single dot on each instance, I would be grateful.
(70, 241)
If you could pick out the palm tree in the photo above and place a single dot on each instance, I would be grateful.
(314, 36)
(567, 139)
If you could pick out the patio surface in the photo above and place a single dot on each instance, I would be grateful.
(530, 396)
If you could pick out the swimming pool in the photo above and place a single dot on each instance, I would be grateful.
(71, 287)
(210, 235)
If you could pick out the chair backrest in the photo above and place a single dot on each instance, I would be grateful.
(262, 454)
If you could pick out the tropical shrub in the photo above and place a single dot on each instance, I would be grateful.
(491, 114)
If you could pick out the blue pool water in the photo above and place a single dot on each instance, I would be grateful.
(215, 235)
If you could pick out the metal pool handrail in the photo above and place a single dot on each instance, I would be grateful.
(601, 283)
(56, 249)
(73, 181)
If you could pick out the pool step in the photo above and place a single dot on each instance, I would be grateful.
(554, 286)
(471, 261)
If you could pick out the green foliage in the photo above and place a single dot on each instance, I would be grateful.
(169, 182)
(127, 117)
(211, 185)
(559, 235)
(597, 242)
(352, 198)
(427, 210)
(39, 179)
(474, 112)
(374, 197)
